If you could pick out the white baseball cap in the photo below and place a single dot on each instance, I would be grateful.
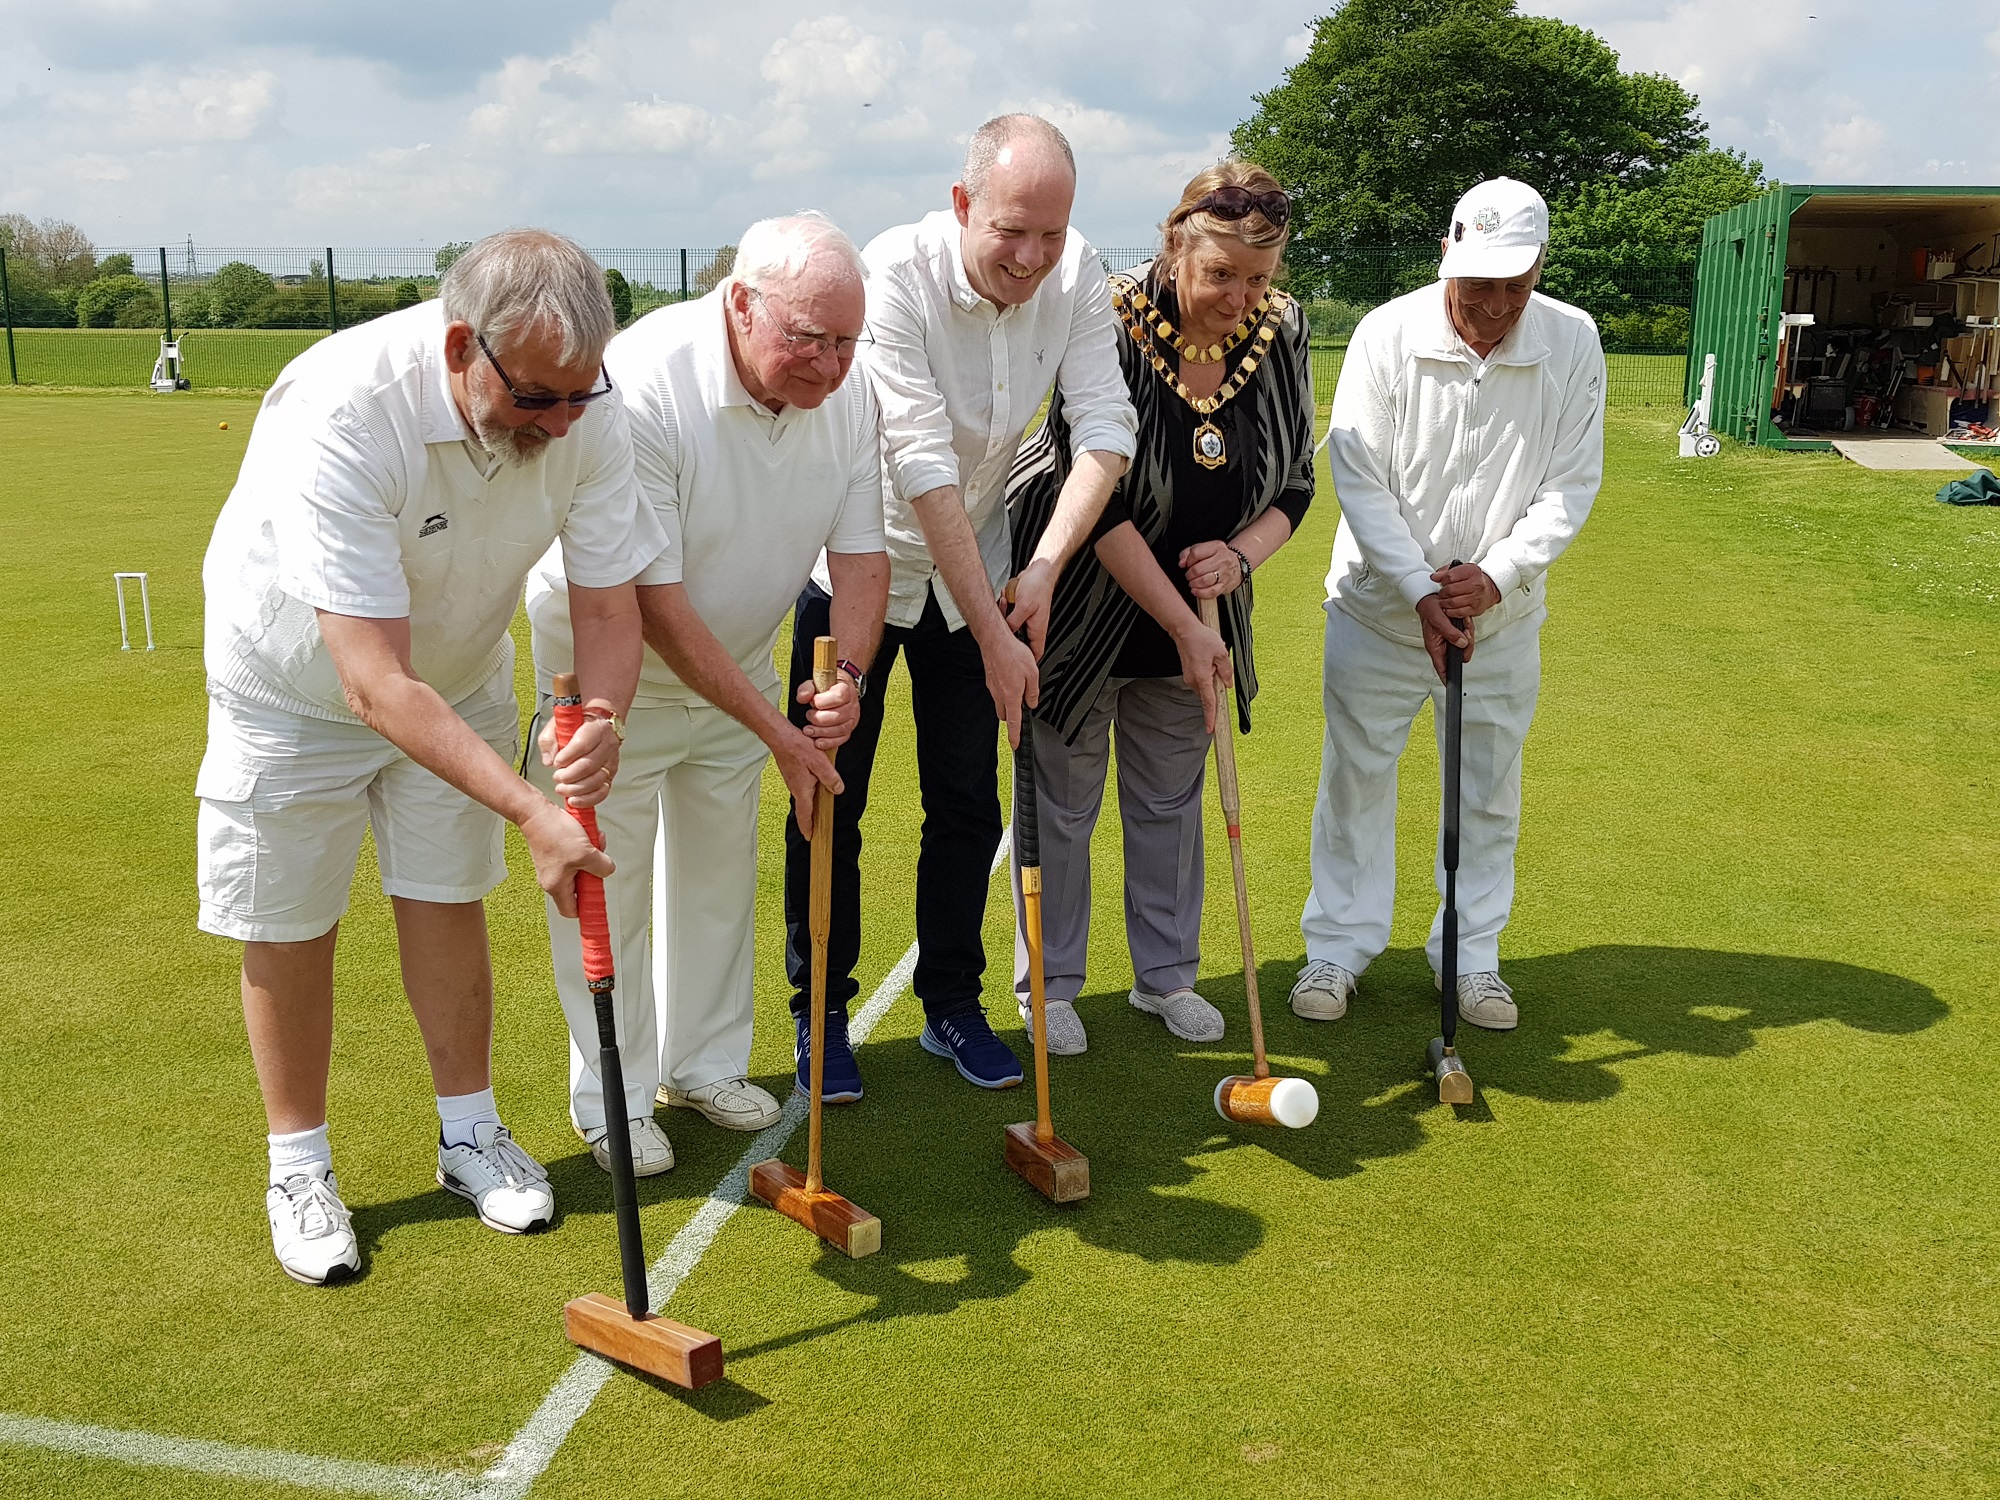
(1497, 231)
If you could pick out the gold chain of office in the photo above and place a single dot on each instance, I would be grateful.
(1144, 321)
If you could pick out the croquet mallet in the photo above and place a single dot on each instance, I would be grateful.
(1055, 1168)
(1258, 1099)
(629, 1334)
(1454, 1083)
(804, 1197)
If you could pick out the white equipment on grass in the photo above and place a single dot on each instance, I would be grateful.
(145, 605)
(168, 369)
(1696, 440)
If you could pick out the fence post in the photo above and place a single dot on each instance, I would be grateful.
(684, 275)
(166, 299)
(7, 311)
(332, 306)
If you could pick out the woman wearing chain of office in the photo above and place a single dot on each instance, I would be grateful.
(1215, 358)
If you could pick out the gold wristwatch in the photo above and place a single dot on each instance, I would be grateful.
(617, 724)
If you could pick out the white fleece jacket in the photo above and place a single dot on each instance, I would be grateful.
(1437, 456)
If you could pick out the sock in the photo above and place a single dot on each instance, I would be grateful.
(300, 1151)
(458, 1114)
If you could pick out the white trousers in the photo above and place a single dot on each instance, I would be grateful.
(681, 825)
(1373, 688)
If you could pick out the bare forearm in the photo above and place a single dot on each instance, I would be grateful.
(860, 600)
(1263, 536)
(1128, 559)
(408, 713)
(1091, 480)
(697, 658)
(609, 646)
(948, 536)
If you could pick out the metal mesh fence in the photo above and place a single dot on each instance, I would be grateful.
(243, 312)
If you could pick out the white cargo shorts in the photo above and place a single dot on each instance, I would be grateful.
(285, 799)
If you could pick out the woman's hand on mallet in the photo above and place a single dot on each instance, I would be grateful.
(1212, 570)
(1204, 664)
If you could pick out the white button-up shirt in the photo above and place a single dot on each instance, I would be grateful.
(958, 379)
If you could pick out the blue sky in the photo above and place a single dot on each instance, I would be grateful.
(665, 122)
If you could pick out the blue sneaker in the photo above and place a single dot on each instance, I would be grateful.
(840, 1080)
(981, 1058)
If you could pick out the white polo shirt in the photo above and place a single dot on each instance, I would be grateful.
(959, 379)
(363, 493)
(747, 497)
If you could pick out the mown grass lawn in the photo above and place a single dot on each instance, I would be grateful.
(1721, 1222)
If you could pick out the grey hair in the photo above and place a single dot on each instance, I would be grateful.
(527, 278)
(780, 249)
(982, 153)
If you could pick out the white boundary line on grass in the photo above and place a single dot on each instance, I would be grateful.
(534, 1447)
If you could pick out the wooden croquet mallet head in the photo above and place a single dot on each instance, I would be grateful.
(1048, 1163)
(803, 1196)
(626, 1332)
(1258, 1099)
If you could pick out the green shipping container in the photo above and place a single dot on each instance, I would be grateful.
(1850, 256)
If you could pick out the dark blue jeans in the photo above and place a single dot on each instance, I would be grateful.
(958, 761)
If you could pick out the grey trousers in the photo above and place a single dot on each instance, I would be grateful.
(1162, 759)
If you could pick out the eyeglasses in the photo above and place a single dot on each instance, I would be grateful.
(1233, 203)
(544, 403)
(813, 345)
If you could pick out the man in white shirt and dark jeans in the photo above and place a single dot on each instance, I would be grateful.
(1468, 429)
(973, 316)
(401, 479)
(760, 455)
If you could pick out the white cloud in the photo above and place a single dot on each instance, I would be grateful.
(206, 107)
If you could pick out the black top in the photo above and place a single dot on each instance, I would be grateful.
(1096, 630)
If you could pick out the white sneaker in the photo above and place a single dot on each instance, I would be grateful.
(508, 1187)
(652, 1152)
(1483, 999)
(310, 1230)
(1187, 1015)
(1066, 1036)
(732, 1103)
(1323, 991)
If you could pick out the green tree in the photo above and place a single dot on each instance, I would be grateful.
(407, 294)
(234, 290)
(1399, 106)
(103, 301)
(449, 253)
(620, 292)
(1627, 253)
(119, 264)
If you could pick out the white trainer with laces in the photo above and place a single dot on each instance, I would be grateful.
(732, 1103)
(1323, 991)
(310, 1229)
(508, 1187)
(1064, 1026)
(1484, 999)
(1187, 1015)
(652, 1152)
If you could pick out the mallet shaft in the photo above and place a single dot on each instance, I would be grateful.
(819, 917)
(1232, 817)
(1028, 849)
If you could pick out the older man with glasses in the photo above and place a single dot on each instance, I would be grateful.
(759, 456)
(399, 484)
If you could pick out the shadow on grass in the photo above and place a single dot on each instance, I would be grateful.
(923, 1150)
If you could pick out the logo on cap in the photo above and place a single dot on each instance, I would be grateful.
(1486, 220)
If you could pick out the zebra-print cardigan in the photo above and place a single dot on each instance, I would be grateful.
(1091, 615)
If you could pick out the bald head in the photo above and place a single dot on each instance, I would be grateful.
(1015, 145)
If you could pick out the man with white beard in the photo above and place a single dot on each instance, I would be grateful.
(401, 480)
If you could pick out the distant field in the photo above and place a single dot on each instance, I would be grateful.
(230, 359)
(122, 358)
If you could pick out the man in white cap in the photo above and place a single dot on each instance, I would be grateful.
(1467, 447)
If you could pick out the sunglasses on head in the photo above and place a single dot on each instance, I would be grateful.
(527, 402)
(1233, 203)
